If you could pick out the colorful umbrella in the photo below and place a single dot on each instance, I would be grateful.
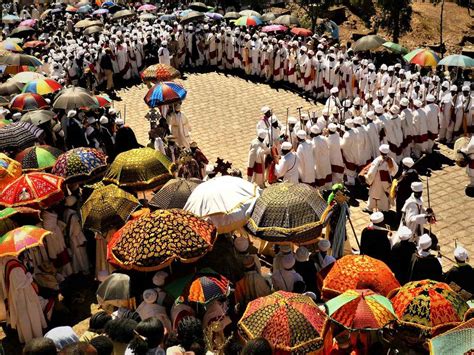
(28, 23)
(291, 322)
(204, 288)
(10, 46)
(428, 305)
(395, 48)
(103, 100)
(42, 86)
(38, 117)
(147, 7)
(15, 69)
(20, 59)
(139, 169)
(422, 56)
(248, 21)
(115, 290)
(74, 98)
(11, 218)
(226, 201)
(4, 122)
(10, 87)
(10, 169)
(28, 102)
(19, 135)
(107, 206)
(160, 72)
(154, 240)
(14, 242)
(459, 340)
(457, 60)
(27, 76)
(361, 309)
(39, 157)
(303, 32)
(174, 194)
(33, 189)
(368, 43)
(80, 164)
(288, 212)
(358, 272)
(287, 20)
(165, 93)
(34, 44)
(274, 28)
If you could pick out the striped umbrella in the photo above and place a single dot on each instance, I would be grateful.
(39, 157)
(10, 46)
(205, 288)
(165, 93)
(248, 21)
(14, 242)
(19, 135)
(457, 60)
(422, 56)
(42, 86)
(28, 102)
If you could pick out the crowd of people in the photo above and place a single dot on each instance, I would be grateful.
(378, 121)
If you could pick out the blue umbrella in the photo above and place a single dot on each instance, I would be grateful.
(108, 4)
(165, 93)
(214, 15)
(84, 9)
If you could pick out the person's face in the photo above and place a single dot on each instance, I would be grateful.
(418, 194)
(465, 93)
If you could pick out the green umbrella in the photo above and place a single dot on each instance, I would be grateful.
(395, 48)
(457, 60)
(39, 157)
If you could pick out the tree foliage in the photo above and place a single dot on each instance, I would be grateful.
(314, 9)
(395, 17)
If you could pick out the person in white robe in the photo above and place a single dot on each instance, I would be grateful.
(420, 128)
(335, 154)
(287, 165)
(305, 156)
(322, 259)
(255, 45)
(292, 62)
(77, 239)
(469, 151)
(394, 134)
(123, 63)
(102, 266)
(149, 308)
(364, 155)
(432, 115)
(256, 159)
(164, 53)
(349, 152)
(408, 130)
(281, 55)
(373, 133)
(322, 162)
(180, 127)
(464, 111)
(285, 278)
(446, 104)
(414, 215)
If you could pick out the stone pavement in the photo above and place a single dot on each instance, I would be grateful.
(223, 111)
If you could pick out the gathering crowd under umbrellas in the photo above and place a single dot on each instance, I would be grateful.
(184, 255)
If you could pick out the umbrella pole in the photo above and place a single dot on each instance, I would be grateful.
(353, 231)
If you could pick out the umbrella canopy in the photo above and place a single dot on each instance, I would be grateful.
(422, 56)
(249, 13)
(287, 20)
(10, 19)
(368, 43)
(428, 305)
(204, 288)
(303, 32)
(107, 207)
(80, 164)
(123, 14)
(198, 6)
(160, 72)
(395, 48)
(358, 272)
(71, 8)
(27, 76)
(28, 102)
(192, 16)
(20, 59)
(288, 212)
(10, 46)
(291, 322)
(28, 23)
(19, 135)
(232, 15)
(268, 16)
(11, 218)
(361, 309)
(214, 15)
(34, 44)
(226, 201)
(103, 100)
(74, 98)
(168, 18)
(84, 9)
(174, 194)
(4, 122)
(39, 157)
(147, 7)
(15, 69)
(457, 60)
(139, 169)
(10, 87)
(42, 86)
(274, 28)
(165, 93)
(458, 340)
(147, 17)
(86, 23)
(93, 29)
(10, 169)
(100, 12)
(22, 31)
(38, 117)
(248, 21)
(14, 242)
(153, 241)
(4, 102)
(33, 189)
(115, 291)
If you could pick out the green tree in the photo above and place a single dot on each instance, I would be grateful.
(395, 17)
(314, 9)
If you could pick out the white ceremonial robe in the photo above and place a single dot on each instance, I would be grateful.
(306, 162)
(256, 162)
(379, 178)
(322, 161)
(164, 56)
(432, 114)
(421, 132)
(287, 168)
(80, 262)
(180, 128)
(349, 153)
(374, 138)
(414, 215)
(335, 156)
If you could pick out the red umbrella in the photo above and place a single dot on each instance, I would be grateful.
(34, 44)
(298, 31)
(28, 102)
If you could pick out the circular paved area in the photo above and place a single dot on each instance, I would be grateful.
(223, 111)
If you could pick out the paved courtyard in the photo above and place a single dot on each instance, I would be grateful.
(223, 111)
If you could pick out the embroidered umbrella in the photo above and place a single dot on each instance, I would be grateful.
(165, 93)
(368, 43)
(160, 72)
(358, 272)
(428, 305)
(459, 340)
(38, 117)
(153, 241)
(9, 170)
(226, 201)
(204, 288)
(361, 309)
(139, 169)
(11, 218)
(42, 86)
(303, 32)
(19, 135)
(28, 102)
(39, 157)
(107, 206)
(457, 60)
(174, 194)
(288, 212)
(10, 87)
(291, 322)
(422, 56)
(27, 76)
(34, 189)
(80, 164)
(34, 44)
(248, 21)
(14, 242)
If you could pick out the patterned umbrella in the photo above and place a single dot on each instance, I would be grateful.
(291, 322)
(34, 190)
(39, 157)
(248, 21)
(288, 213)
(10, 46)
(205, 288)
(42, 86)
(358, 272)
(80, 164)
(287, 20)
(174, 194)
(10, 87)
(139, 169)
(28, 102)
(155, 240)
(14, 242)
(459, 340)
(165, 93)
(361, 309)
(428, 305)
(274, 28)
(457, 60)
(34, 44)
(226, 201)
(27, 76)
(74, 98)
(160, 72)
(9, 170)
(422, 56)
(19, 135)
(38, 117)
(11, 218)
(106, 207)
(368, 43)
(20, 59)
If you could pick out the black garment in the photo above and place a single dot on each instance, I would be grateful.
(404, 187)
(427, 267)
(106, 62)
(307, 270)
(125, 140)
(375, 243)
(400, 260)
(75, 137)
(462, 275)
